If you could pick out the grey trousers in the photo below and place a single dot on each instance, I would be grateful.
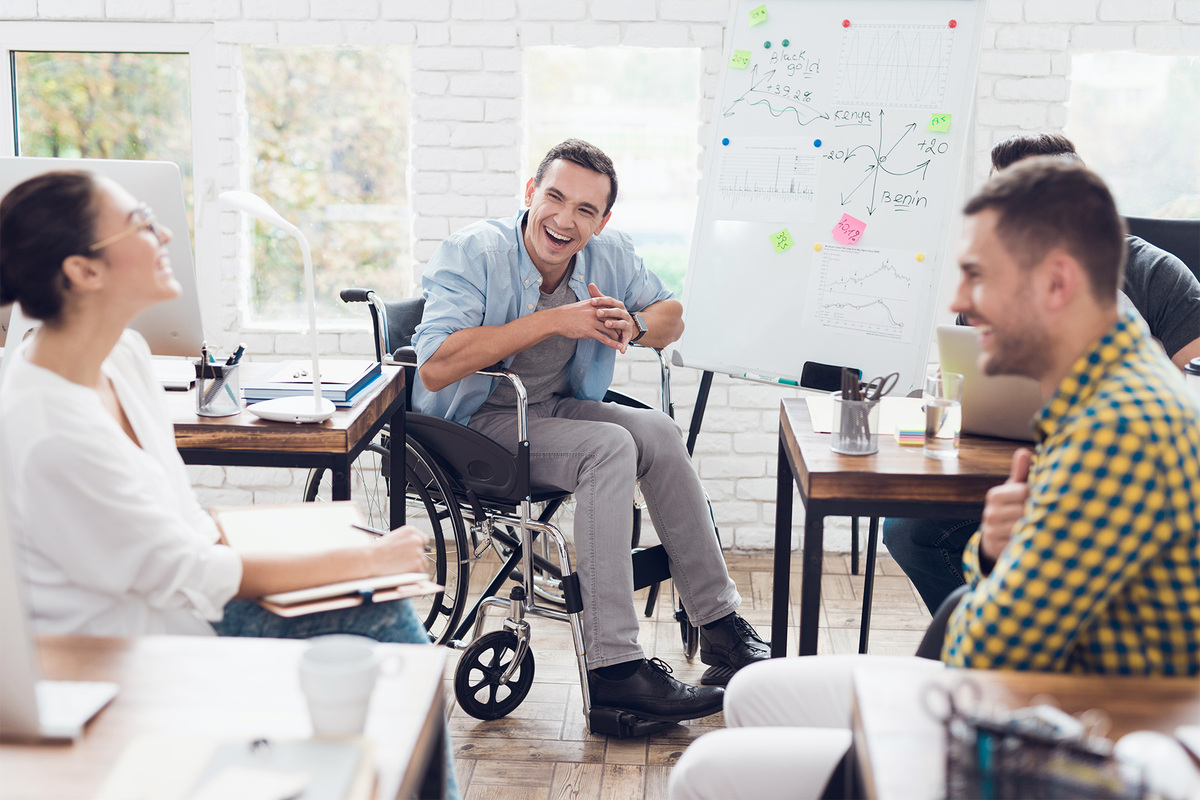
(597, 451)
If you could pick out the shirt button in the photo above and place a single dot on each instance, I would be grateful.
(529, 306)
(526, 283)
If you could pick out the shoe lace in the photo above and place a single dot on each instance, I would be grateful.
(662, 669)
(745, 629)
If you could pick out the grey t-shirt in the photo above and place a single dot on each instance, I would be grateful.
(1163, 290)
(543, 367)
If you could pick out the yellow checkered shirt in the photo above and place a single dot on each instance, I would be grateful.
(1103, 571)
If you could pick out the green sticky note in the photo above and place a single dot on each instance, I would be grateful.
(939, 123)
(758, 15)
(740, 60)
(782, 240)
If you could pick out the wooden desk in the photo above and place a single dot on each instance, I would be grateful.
(900, 750)
(244, 440)
(227, 688)
(896, 481)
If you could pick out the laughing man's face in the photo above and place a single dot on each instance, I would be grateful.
(565, 210)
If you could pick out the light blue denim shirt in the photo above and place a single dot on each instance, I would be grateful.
(482, 275)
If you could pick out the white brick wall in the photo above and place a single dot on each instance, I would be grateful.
(467, 156)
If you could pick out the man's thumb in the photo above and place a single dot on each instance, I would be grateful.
(1022, 458)
(594, 290)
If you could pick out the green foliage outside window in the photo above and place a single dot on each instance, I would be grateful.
(329, 150)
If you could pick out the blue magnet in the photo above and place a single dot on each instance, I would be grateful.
(786, 42)
(766, 45)
(816, 142)
(725, 141)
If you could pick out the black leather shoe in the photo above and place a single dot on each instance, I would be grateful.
(730, 642)
(652, 693)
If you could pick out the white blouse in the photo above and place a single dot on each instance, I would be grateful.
(110, 537)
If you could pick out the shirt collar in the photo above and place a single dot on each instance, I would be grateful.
(1085, 375)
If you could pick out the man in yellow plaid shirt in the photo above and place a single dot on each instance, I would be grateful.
(1088, 558)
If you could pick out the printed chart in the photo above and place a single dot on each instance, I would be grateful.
(895, 66)
(765, 178)
(865, 292)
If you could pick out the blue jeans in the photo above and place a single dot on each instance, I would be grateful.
(394, 621)
(930, 552)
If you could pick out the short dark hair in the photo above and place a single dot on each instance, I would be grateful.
(1017, 147)
(1046, 202)
(586, 155)
(43, 221)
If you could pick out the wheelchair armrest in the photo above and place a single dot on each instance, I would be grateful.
(664, 368)
(498, 371)
(404, 356)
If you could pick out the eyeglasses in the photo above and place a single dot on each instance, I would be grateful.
(143, 219)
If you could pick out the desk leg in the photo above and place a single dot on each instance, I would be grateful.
(810, 580)
(340, 475)
(783, 554)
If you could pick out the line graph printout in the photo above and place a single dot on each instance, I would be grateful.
(871, 293)
(765, 179)
(895, 66)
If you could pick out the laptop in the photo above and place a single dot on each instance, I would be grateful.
(32, 709)
(993, 405)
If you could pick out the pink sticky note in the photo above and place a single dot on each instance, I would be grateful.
(849, 230)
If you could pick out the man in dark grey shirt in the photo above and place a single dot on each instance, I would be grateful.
(1157, 284)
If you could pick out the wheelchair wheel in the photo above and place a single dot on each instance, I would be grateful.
(425, 487)
(477, 684)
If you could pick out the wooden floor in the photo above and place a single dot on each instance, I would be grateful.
(542, 751)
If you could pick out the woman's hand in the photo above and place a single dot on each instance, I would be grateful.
(402, 550)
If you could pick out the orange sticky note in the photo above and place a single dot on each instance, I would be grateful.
(849, 230)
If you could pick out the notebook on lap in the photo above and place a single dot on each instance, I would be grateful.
(993, 405)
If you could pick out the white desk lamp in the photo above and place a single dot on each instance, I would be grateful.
(288, 409)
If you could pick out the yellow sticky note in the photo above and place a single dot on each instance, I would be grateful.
(740, 60)
(939, 123)
(758, 15)
(782, 240)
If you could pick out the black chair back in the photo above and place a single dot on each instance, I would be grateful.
(935, 634)
(403, 317)
(1179, 237)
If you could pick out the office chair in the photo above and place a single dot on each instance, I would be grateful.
(475, 494)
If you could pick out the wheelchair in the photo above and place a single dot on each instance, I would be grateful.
(472, 494)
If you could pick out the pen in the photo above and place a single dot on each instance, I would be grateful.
(237, 355)
(769, 379)
(365, 528)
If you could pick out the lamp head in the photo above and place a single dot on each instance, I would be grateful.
(255, 206)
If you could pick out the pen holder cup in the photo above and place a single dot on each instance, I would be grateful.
(855, 427)
(218, 390)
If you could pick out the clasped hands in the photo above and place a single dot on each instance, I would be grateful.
(599, 317)
(1004, 506)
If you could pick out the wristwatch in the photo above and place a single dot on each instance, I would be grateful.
(640, 324)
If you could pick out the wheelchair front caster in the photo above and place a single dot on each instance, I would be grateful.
(477, 683)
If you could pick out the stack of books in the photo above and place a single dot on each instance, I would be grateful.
(343, 382)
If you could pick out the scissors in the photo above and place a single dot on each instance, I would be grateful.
(878, 387)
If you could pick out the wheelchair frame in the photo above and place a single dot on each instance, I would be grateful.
(503, 658)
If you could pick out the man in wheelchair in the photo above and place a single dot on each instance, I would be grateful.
(554, 301)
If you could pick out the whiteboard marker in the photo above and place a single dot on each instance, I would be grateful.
(769, 379)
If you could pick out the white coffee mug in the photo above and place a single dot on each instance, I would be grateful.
(337, 674)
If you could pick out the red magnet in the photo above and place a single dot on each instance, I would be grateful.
(953, 23)
(845, 23)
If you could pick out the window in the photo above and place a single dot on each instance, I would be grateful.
(641, 106)
(1132, 117)
(119, 90)
(329, 151)
(105, 105)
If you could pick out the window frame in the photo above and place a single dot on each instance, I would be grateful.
(197, 41)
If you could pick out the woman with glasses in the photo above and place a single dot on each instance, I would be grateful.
(111, 538)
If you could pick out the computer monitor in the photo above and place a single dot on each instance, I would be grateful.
(172, 328)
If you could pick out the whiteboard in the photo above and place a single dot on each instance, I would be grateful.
(830, 185)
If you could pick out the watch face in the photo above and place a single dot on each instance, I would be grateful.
(640, 324)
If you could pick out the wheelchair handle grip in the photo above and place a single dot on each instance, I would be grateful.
(355, 295)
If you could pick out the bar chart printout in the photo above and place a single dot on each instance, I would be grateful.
(759, 180)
